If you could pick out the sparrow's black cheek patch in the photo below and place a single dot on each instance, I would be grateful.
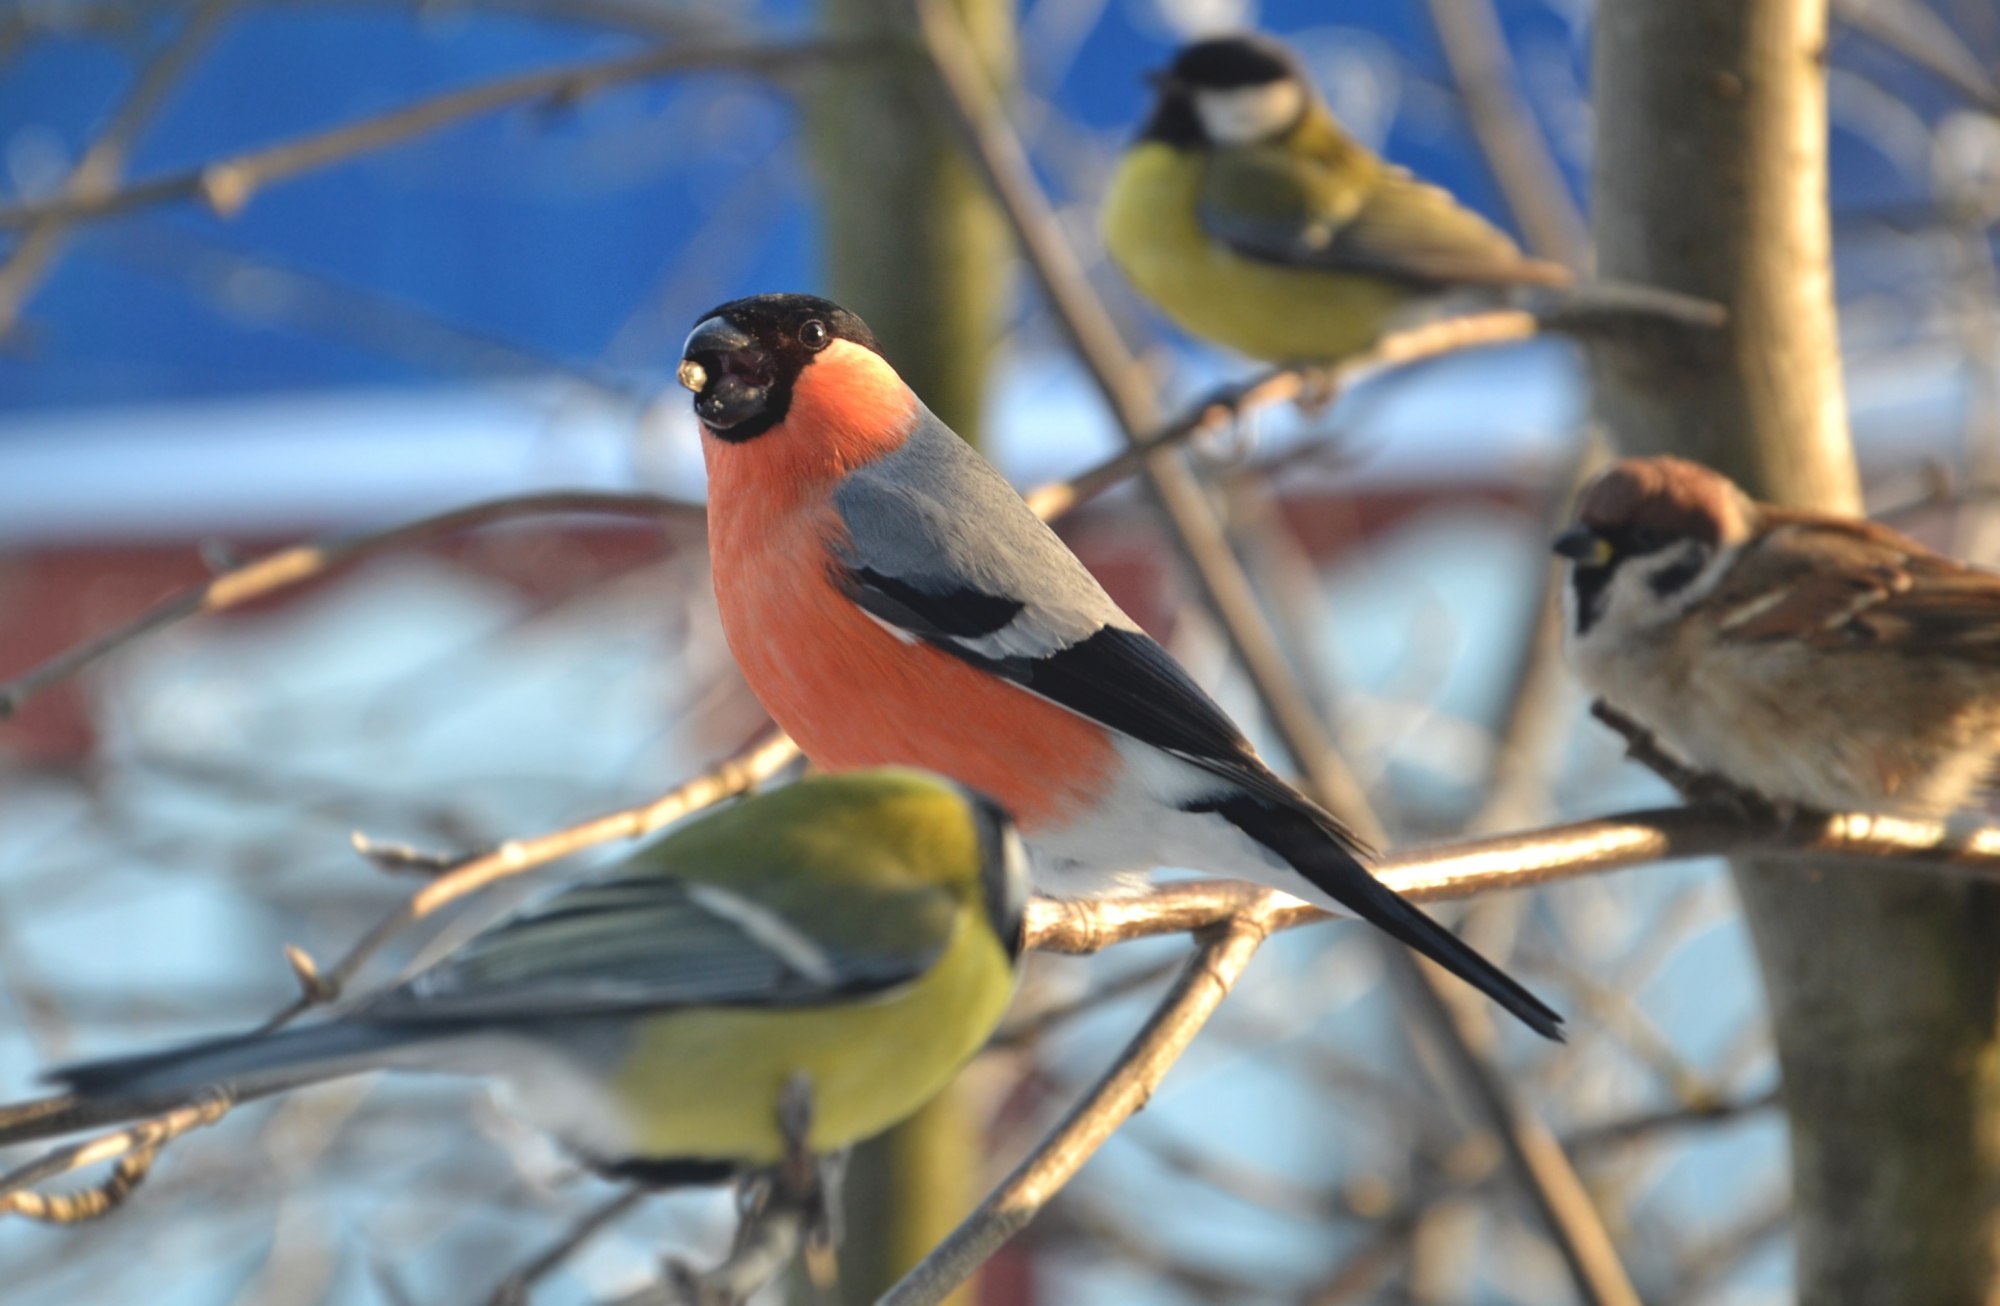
(1593, 591)
(1672, 580)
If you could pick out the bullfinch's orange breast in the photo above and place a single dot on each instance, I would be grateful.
(852, 692)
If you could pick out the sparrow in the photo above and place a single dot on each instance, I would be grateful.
(1252, 220)
(857, 935)
(891, 599)
(1812, 659)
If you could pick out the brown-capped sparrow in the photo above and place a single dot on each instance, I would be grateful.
(1812, 659)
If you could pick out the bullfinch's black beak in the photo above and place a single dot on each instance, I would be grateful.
(730, 375)
(1583, 545)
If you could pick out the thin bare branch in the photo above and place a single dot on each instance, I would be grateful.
(1516, 152)
(133, 1147)
(1532, 858)
(514, 1289)
(1918, 34)
(1137, 1071)
(1649, 1124)
(1280, 386)
(103, 164)
(226, 185)
(738, 774)
(302, 562)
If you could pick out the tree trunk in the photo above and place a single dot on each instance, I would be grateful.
(1711, 179)
(912, 243)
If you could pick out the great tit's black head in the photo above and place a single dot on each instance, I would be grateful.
(743, 358)
(1003, 870)
(1668, 515)
(1228, 90)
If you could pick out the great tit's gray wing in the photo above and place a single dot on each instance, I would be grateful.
(1278, 205)
(647, 940)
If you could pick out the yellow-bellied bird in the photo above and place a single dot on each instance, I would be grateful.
(857, 931)
(1253, 220)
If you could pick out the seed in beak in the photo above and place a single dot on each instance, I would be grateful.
(693, 375)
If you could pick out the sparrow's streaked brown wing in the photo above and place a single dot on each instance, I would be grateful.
(1836, 584)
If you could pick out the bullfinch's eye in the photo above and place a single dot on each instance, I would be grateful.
(813, 335)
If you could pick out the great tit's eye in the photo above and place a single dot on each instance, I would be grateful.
(814, 335)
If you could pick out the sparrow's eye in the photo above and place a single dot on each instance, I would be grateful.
(1645, 539)
(814, 335)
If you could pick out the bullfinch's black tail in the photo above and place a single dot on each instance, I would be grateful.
(248, 1066)
(1322, 856)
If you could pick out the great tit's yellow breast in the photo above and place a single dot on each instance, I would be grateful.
(1280, 314)
(706, 1082)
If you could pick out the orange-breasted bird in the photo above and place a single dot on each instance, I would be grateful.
(891, 599)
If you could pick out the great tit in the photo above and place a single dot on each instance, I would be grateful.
(855, 934)
(1253, 221)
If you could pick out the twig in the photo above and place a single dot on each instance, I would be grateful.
(738, 774)
(1545, 856)
(1632, 1129)
(1516, 152)
(1231, 404)
(1534, 719)
(299, 563)
(1915, 32)
(1031, 1028)
(1696, 786)
(514, 1289)
(101, 166)
(227, 184)
(1125, 1089)
(134, 1148)
(1701, 1268)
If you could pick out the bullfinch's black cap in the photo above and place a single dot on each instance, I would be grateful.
(743, 357)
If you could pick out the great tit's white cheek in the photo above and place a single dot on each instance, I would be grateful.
(1250, 114)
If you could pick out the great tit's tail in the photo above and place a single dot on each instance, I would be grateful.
(1322, 853)
(246, 1066)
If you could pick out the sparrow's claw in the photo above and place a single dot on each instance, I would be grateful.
(1697, 788)
(1702, 788)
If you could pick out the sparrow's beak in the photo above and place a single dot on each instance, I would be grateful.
(1584, 546)
(730, 375)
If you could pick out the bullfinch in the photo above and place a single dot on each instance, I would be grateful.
(857, 934)
(1252, 220)
(892, 600)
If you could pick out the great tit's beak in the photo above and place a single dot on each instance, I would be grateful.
(730, 375)
(1584, 546)
(1162, 80)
